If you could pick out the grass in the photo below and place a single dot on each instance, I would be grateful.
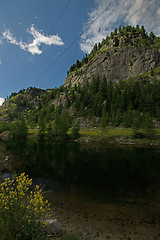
(118, 135)
(111, 132)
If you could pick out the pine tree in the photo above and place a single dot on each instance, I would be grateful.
(75, 131)
(136, 127)
(148, 127)
(104, 121)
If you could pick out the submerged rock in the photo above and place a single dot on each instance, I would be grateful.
(52, 226)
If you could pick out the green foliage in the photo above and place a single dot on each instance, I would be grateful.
(61, 124)
(148, 127)
(49, 130)
(116, 42)
(22, 210)
(124, 102)
(104, 120)
(137, 133)
(19, 129)
(4, 126)
(42, 128)
(157, 42)
(75, 131)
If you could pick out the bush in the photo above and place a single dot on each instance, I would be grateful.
(137, 134)
(21, 210)
(75, 131)
(19, 129)
(4, 126)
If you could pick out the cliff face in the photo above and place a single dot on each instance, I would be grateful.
(117, 63)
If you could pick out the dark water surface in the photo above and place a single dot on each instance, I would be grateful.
(99, 172)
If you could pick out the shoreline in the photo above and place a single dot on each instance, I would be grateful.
(119, 136)
(90, 220)
(119, 141)
(111, 136)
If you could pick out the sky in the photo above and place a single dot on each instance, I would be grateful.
(41, 39)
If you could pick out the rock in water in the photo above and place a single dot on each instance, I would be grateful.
(52, 226)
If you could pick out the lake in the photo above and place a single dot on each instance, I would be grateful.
(95, 171)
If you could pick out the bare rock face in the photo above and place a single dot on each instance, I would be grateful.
(117, 64)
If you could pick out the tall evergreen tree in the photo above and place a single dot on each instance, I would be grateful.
(104, 121)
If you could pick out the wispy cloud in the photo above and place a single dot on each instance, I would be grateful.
(1, 101)
(120, 12)
(0, 61)
(38, 39)
(8, 35)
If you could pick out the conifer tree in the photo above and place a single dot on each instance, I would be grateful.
(104, 121)
(148, 127)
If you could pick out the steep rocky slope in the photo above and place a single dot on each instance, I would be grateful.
(116, 64)
(126, 53)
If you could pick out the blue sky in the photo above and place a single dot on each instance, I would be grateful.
(36, 36)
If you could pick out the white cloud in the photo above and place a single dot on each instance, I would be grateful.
(0, 61)
(120, 12)
(1, 101)
(8, 35)
(38, 39)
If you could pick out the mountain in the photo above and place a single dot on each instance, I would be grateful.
(126, 53)
(119, 79)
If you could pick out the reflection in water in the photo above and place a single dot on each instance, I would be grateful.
(103, 172)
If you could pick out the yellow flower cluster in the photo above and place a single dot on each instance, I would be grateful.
(23, 184)
(13, 194)
(21, 210)
(7, 194)
(37, 203)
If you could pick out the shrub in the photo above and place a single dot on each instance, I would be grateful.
(19, 129)
(75, 131)
(4, 126)
(138, 134)
(21, 210)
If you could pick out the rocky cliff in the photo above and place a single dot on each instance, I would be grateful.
(117, 63)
